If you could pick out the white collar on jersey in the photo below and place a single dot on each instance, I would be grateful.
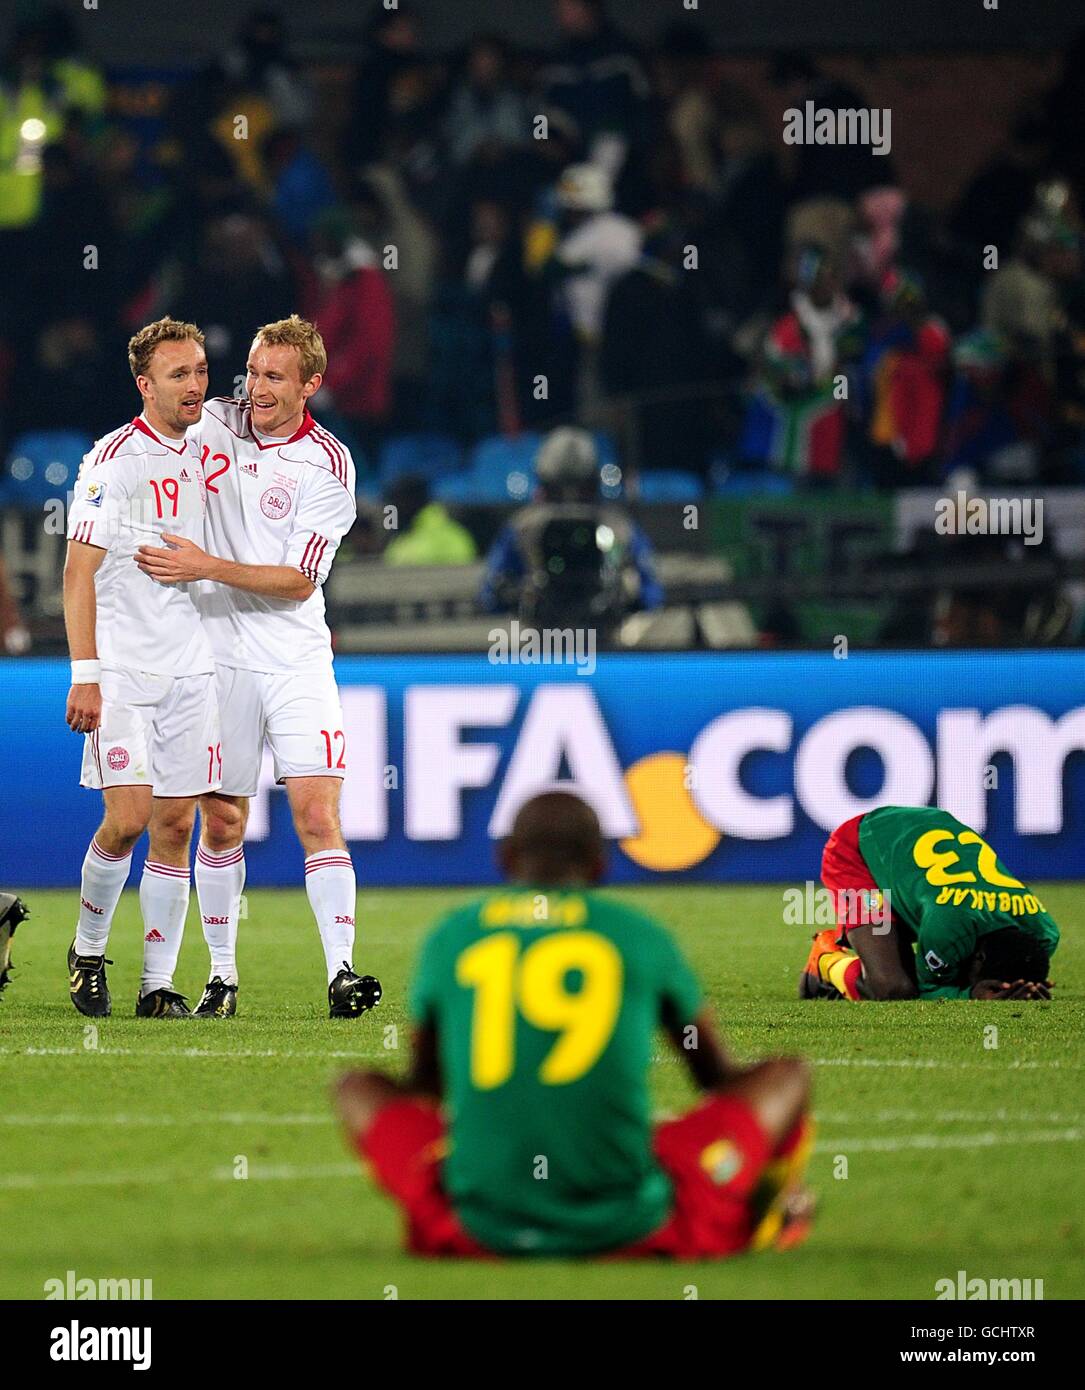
(175, 446)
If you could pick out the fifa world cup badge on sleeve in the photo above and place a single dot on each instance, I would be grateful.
(95, 493)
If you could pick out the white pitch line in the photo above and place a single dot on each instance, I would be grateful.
(937, 1064)
(968, 1117)
(189, 1053)
(987, 1140)
(293, 1173)
(303, 1119)
(22, 1182)
(199, 1053)
(158, 1121)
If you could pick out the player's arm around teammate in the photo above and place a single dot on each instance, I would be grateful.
(281, 500)
(186, 562)
(314, 801)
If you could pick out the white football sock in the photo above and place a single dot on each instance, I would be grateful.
(332, 890)
(220, 881)
(104, 877)
(163, 896)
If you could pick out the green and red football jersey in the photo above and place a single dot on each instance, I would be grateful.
(546, 1005)
(948, 887)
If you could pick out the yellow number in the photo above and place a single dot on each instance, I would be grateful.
(487, 968)
(586, 1019)
(936, 861)
(535, 983)
(986, 862)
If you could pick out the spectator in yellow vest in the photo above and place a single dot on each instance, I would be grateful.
(427, 535)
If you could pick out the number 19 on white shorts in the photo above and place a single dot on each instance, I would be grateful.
(156, 731)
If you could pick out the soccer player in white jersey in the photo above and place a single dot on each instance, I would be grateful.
(143, 688)
(280, 500)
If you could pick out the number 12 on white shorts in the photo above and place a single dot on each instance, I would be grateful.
(299, 714)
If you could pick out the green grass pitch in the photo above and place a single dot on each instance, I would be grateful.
(119, 1160)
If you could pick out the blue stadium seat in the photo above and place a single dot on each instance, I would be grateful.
(506, 454)
(752, 482)
(485, 488)
(429, 455)
(669, 485)
(503, 469)
(456, 488)
(43, 464)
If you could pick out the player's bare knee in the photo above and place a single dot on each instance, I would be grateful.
(798, 1073)
(120, 831)
(789, 1073)
(316, 823)
(358, 1096)
(171, 832)
(220, 835)
(222, 824)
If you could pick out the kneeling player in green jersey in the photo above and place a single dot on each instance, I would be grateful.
(925, 909)
(524, 1126)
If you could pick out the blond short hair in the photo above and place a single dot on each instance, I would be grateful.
(165, 330)
(298, 333)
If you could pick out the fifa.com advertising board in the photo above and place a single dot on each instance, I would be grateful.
(702, 767)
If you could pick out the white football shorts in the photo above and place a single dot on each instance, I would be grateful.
(297, 712)
(156, 731)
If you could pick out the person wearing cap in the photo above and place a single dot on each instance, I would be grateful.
(599, 245)
(583, 254)
(567, 468)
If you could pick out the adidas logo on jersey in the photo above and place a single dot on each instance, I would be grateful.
(155, 937)
(249, 468)
(184, 476)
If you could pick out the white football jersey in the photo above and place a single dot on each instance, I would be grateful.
(271, 502)
(134, 486)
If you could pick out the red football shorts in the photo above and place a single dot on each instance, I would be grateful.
(405, 1145)
(845, 874)
(714, 1155)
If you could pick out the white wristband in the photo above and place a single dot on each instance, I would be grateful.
(86, 672)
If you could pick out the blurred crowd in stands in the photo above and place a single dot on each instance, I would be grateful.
(496, 241)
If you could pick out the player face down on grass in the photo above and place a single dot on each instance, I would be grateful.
(535, 1010)
(953, 924)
